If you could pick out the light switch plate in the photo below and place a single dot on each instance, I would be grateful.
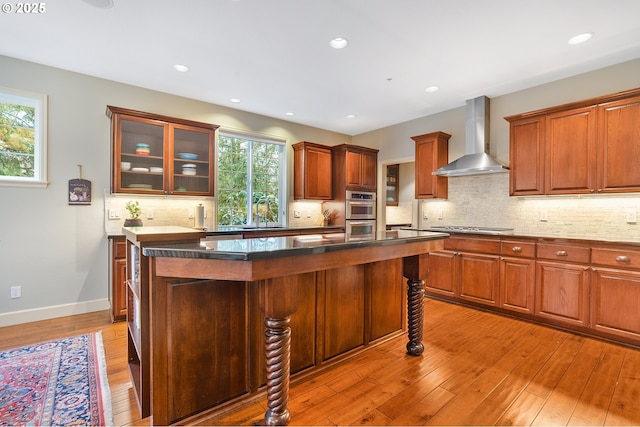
(632, 216)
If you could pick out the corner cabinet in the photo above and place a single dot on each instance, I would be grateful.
(585, 147)
(153, 154)
(312, 171)
(432, 152)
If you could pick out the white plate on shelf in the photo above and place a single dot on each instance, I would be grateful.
(140, 169)
(157, 170)
(188, 172)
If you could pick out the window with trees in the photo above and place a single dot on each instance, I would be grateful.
(250, 180)
(23, 143)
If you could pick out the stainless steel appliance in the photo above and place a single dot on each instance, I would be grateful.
(360, 215)
(471, 230)
(360, 205)
(360, 229)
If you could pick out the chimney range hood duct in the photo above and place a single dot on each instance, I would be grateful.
(476, 160)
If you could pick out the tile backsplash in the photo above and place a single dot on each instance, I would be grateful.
(164, 210)
(484, 201)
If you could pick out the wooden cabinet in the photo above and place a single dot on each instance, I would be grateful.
(392, 185)
(118, 278)
(385, 299)
(138, 299)
(619, 145)
(517, 275)
(312, 171)
(526, 156)
(432, 152)
(153, 154)
(615, 292)
(354, 168)
(589, 146)
(467, 269)
(562, 283)
(570, 151)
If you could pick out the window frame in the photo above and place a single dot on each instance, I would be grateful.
(39, 103)
(254, 137)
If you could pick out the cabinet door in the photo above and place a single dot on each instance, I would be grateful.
(441, 278)
(431, 154)
(619, 146)
(191, 167)
(369, 164)
(479, 277)
(615, 302)
(562, 292)
(139, 146)
(354, 169)
(517, 284)
(312, 171)
(570, 151)
(526, 152)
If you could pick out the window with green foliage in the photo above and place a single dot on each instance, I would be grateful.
(250, 180)
(23, 148)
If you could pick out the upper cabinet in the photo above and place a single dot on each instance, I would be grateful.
(432, 152)
(585, 147)
(354, 168)
(153, 154)
(393, 185)
(312, 176)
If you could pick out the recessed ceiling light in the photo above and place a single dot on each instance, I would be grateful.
(290, 113)
(102, 4)
(234, 100)
(351, 116)
(432, 89)
(580, 38)
(181, 68)
(338, 43)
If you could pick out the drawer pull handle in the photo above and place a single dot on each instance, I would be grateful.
(623, 258)
(561, 253)
(516, 249)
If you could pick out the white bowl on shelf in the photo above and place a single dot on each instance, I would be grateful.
(188, 172)
(125, 166)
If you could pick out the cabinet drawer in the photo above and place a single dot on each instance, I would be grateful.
(561, 252)
(469, 244)
(518, 249)
(621, 258)
(119, 248)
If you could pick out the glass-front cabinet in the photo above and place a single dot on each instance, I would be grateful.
(153, 154)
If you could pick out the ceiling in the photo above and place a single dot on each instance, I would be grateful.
(274, 55)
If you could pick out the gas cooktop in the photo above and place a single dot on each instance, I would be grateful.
(471, 230)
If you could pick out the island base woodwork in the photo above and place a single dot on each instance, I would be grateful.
(214, 341)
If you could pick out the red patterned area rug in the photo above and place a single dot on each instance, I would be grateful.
(59, 383)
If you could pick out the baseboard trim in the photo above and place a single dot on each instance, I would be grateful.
(51, 312)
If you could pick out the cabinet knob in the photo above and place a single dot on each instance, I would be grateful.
(516, 249)
(623, 258)
(561, 253)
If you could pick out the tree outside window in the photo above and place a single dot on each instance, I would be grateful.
(249, 181)
(22, 138)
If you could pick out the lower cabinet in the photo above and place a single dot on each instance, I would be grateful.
(441, 278)
(118, 278)
(615, 302)
(562, 293)
(479, 277)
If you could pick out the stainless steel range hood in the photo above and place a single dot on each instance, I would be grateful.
(476, 160)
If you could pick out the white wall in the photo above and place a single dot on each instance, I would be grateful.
(56, 252)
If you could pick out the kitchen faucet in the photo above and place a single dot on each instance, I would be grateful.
(264, 201)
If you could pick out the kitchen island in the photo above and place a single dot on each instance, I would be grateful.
(230, 319)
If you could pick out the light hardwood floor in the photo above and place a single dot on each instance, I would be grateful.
(477, 369)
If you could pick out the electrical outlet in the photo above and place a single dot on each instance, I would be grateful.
(425, 214)
(16, 291)
(150, 213)
(191, 214)
(296, 214)
(632, 216)
(114, 213)
(440, 214)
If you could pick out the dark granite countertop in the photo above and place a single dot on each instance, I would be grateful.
(276, 247)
